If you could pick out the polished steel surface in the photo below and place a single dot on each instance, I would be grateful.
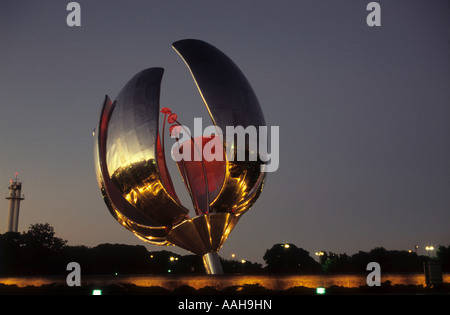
(228, 95)
(136, 166)
(203, 233)
(131, 167)
(230, 101)
(120, 208)
(212, 263)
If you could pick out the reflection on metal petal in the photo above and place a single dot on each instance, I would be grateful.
(203, 234)
(230, 101)
(132, 156)
(122, 211)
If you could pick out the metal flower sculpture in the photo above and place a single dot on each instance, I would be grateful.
(131, 166)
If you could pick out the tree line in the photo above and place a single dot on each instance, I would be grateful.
(39, 252)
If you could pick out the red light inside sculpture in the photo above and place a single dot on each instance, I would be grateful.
(203, 177)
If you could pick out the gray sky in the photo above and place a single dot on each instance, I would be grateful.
(363, 113)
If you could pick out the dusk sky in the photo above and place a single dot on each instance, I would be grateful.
(363, 113)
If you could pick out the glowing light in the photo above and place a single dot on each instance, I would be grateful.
(96, 292)
(286, 245)
(320, 290)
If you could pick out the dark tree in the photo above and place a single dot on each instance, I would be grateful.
(40, 250)
(9, 253)
(288, 258)
(43, 235)
(336, 263)
(240, 267)
(443, 255)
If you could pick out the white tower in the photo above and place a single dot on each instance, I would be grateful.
(15, 196)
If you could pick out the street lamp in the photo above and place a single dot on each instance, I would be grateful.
(429, 249)
(320, 256)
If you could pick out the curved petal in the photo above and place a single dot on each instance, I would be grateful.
(134, 159)
(204, 233)
(227, 94)
(230, 101)
(119, 207)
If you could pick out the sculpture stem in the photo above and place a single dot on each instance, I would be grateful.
(212, 263)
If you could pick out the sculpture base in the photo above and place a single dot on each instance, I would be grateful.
(212, 263)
